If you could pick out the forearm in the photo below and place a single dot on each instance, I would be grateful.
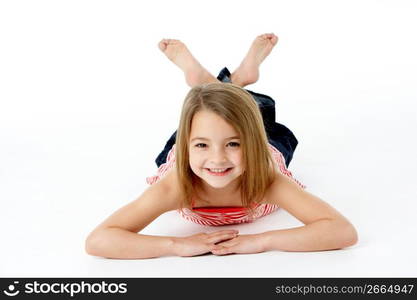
(317, 236)
(123, 244)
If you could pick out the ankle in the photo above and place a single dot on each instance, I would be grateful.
(199, 77)
(235, 78)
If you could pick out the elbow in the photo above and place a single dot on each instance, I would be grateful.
(92, 244)
(346, 235)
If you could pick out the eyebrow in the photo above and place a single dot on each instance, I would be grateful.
(206, 139)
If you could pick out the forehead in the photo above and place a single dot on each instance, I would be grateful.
(208, 124)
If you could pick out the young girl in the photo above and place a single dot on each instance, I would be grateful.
(226, 164)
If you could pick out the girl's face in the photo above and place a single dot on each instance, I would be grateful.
(214, 144)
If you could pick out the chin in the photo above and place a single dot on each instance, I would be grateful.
(216, 185)
(222, 183)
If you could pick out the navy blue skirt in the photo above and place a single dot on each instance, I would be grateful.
(279, 136)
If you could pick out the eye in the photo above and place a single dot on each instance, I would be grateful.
(233, 144)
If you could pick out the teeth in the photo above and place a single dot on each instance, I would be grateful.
(218, 170)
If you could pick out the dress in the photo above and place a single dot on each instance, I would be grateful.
(215, 216)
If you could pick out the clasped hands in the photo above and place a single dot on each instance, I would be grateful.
(218, 243)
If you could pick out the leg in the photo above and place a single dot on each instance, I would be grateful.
(248, 71)
(195, 74)
(179, 54)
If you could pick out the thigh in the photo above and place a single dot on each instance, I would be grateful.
(279, 135)
(266, 105)
(282, 138)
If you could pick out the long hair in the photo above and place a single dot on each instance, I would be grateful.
(237, 107)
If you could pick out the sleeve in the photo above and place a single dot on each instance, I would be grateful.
(280, 160)
(163, 169)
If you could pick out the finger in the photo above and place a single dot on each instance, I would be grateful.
(221, 237)
(222, 250)
(228, 243)
(215, 235)
(224, 231)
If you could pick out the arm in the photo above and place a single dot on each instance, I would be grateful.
(117, 236)
(318, 236)
(324, 229)
(124, 244)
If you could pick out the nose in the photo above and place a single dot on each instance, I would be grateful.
(218, 156)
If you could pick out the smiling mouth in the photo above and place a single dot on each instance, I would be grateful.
(219, 172)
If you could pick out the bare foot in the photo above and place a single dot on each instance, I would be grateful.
(179, 54)
(248, 71)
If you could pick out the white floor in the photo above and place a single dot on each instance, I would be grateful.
(76, 143)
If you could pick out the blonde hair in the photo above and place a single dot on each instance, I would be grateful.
(237, 107)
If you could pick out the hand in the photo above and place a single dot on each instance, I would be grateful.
(246, 243)
(201, 243)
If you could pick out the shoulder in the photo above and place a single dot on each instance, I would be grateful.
(285, 192)
(303, 205)
(281, 187)
(170, 188)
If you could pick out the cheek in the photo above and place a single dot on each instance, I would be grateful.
(239, 161)
(237, 158)
(195, 161)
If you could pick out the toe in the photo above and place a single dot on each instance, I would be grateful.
(162, 46)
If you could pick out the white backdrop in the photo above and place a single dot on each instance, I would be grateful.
(87, 101)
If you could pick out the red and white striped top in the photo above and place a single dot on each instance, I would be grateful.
(215, 216)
